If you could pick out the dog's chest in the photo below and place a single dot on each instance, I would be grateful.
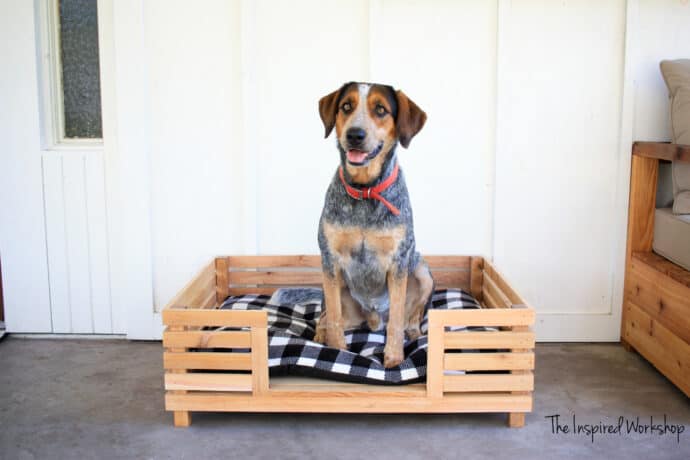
(352, 244)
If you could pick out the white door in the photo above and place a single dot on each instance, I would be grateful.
(67, 226)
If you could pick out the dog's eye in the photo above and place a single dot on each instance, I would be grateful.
(380, 110)
(346, 107)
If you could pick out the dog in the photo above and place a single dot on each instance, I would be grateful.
(371, 269)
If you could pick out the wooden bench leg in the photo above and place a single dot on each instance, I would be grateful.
(516, 419)
(626, 345)
(182, 419)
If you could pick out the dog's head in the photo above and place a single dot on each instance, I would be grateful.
(369, 120)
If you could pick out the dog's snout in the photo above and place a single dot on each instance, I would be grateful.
(355, 136)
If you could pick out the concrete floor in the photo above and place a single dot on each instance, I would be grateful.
(82, 399)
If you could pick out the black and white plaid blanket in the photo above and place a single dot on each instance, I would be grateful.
(292, 318)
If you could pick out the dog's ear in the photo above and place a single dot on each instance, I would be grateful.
(410, 119)
(328, 109)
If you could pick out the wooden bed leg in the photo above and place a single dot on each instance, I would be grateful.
(182, 419)
(516, 419)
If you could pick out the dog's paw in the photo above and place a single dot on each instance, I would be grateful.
(336, 340)
(320, 335)
(414, 333)
(392, 356)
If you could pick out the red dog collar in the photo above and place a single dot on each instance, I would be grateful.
(373, 192)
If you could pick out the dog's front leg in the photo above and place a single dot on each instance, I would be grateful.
(393, 353)
(330, 326)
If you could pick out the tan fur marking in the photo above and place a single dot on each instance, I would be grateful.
(393, 352)
(342, 241)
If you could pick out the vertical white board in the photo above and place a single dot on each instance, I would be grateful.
(22, 226)
(99, 259)
(77, 242)
(195, 139)
(560, 76)
(444, 58)
(302, 51)
(56, 240)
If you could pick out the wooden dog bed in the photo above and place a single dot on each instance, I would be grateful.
(239, 381)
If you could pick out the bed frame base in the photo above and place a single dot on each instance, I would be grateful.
(245, 386)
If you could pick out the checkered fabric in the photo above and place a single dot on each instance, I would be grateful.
(292, 349)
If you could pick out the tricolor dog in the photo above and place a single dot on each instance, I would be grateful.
(371, 269)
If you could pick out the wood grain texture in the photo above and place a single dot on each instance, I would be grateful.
(204, 360)
(503, 284)
(492, 317)
(222, 281)
(488, 340)
(488, 382)
(662, 151)
(665, 299)
(334, 402)
(665, 266)
(208, 382)
(262, 274)
(664, 349)
(488, 361)
(229, 318)
(206, 339)
(476, 277)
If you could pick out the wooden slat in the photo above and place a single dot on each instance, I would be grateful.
(489, 301)
(448, 262)
(295, 278)
(207, 339)
(230, 318)
(208, 382)
(488, 361)
(347, 403)
(259, 360)
(210, 301)
(206, 288)
(204, 360)
(476, 277)
(503, 284)
(663, 298)
(662, 151)
(222, 281)
(665, 266)
(488, 340)
(665, 350)
(195, 288)
(491, 317)
(308, 384)
(236, 290)
(643, 181)
(495, 292)
(488, 382)
(451, 279)
(274, 261)
(434, 360)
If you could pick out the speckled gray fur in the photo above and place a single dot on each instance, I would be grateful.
(364, 276)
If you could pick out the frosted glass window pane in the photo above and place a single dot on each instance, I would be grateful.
(80, 72)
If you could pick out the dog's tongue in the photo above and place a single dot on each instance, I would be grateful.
(356, 156)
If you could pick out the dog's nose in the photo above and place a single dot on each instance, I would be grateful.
(356, 135)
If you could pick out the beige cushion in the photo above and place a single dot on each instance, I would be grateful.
(672, 237)
(677, 77)
(681, 204)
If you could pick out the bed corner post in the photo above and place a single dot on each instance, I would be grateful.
(434, 363)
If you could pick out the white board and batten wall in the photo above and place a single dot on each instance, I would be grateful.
(213, 145)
